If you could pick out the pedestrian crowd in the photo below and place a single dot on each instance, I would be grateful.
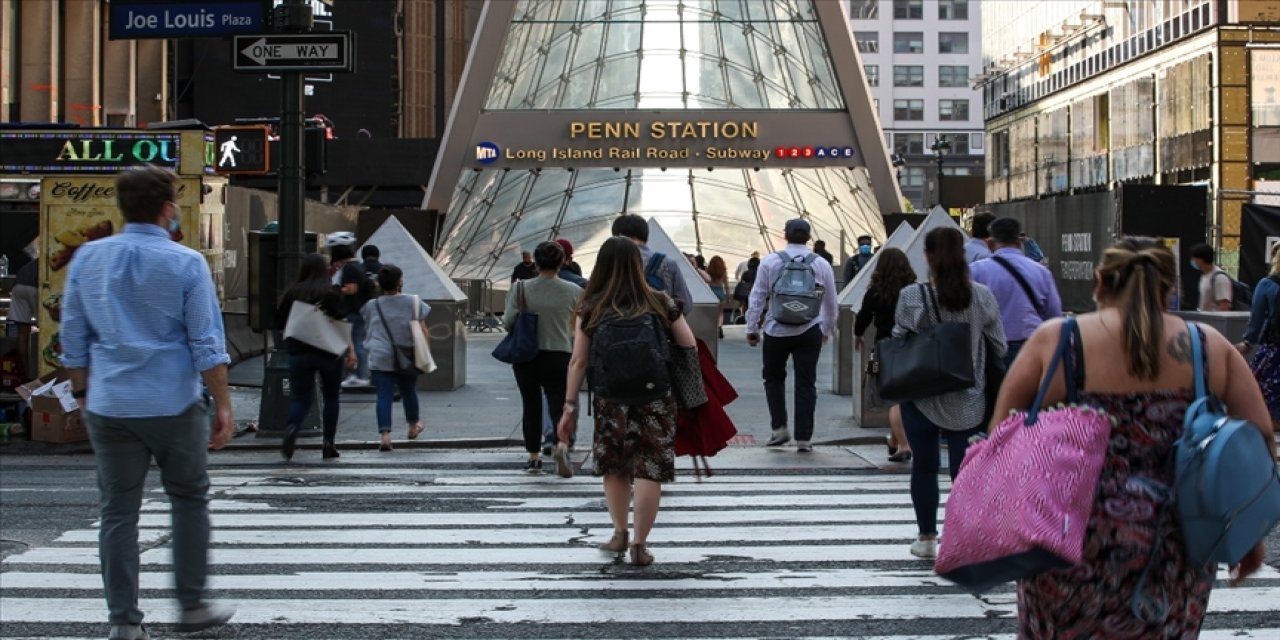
(965, 355)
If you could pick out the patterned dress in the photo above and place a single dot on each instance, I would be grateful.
(1135, 581)
(1266, 368)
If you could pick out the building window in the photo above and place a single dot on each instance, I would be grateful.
(908, 143)
(952, 9)
(908, 109)
(908, 9)
(908, 75)
(953, 42)
(953, 110)
(975, 141)
(868, 41)
(953, 75)
(959, 143)
(873, 74)
(908, 42)
(864, 9)
(913, 176)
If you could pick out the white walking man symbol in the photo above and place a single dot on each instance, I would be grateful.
(228, 148)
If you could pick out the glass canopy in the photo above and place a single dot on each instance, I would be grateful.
(657, 55)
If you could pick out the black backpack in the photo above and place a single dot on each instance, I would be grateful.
(627, 363)
(1241, 293)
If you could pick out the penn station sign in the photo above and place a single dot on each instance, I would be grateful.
(684, 139)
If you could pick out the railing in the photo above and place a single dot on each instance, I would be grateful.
(480, 316)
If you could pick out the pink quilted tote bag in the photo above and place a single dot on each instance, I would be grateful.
(1021, 501)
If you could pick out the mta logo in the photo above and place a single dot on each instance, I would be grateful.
(487, 153)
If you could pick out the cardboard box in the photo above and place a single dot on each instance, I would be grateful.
(55, 415)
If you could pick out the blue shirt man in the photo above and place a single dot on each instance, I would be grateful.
(1026, 303)
(141, 327)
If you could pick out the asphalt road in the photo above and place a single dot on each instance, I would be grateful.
(458, 544)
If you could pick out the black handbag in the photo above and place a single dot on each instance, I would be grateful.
(933, 362)
(686, 377)
(995, 371)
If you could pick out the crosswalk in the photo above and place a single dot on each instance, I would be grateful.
(460, 545)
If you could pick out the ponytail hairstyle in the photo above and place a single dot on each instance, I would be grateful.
(944, 250)
(1137, 275)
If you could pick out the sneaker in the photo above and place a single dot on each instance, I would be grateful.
(363, 382)
(204, 617)
(803, 446)
(128, 632)
(330, 451)
(534, 465)
(548, 448)
(780, 437)
(350, 381)
(563, 467)
(924, 548)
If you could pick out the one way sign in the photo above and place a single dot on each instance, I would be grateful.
(331, 51)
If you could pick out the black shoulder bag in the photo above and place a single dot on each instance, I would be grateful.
(397, 352)
(935, 361)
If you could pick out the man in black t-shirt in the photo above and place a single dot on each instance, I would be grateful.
(351, 280)
(526, 269)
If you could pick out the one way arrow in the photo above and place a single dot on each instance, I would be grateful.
(249, 51)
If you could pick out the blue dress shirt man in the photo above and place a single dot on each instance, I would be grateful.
(141, 327)
(1023, 287)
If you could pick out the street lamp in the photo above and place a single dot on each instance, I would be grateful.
(939, 147)
(898, 163)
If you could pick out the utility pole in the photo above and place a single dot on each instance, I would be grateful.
(293, 16)
(940, 146)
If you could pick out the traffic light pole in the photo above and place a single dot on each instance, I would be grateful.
(292, 188)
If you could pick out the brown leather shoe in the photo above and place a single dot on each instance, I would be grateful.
(416, 430)
(616, 544)
(640, 555)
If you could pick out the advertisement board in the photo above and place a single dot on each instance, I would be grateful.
(76, 210)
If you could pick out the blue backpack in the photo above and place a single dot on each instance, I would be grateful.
(1227, 488)
(651, 272)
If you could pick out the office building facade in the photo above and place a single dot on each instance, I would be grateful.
(919, 56)
(1088, 95)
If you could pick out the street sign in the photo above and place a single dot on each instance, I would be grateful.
(242, 150)
(333, 51)
(142, 19)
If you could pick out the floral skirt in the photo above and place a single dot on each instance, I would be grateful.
(636, 441)
(1266, 368)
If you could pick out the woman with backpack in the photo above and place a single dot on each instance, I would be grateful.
(949, 296)
(624, 334)
(306, 361)
(893, 273)
(1264, 333)
(389, 318)
(1132, 360)
(554, 301)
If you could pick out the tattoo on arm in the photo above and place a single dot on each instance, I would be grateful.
(1180, 348)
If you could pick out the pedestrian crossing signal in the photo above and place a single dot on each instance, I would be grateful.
(241, 150)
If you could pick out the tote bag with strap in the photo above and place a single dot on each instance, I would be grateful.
(1020, 504)
(421, 348)
(934, 361)
(402, 357)
(521, 344)
(310, 325)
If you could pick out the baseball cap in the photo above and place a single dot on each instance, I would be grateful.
(566, 245)
(797, 224)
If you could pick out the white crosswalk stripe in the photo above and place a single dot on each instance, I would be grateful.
(392, 550)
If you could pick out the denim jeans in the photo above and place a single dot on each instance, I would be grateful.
(357, 341)
(303, 368)
(385, 382)
(926, 457)
(543, 376)
(804, 351)
(123, 449)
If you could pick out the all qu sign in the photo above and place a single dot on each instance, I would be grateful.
(75, 151)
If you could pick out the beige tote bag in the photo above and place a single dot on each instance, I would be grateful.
(310, 325)
(421, 348)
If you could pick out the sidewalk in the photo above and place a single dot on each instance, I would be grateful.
(486, 411)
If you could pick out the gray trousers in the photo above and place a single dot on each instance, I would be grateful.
(123, 448)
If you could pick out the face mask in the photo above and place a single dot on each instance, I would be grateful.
(1194, 265)
(864, 249)
(174, 224)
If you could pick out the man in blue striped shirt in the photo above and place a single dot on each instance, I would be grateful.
(140, 327)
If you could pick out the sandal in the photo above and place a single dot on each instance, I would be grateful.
(416, 430)
(888, 442)
(386, 441)
(640, 555)
(616, 544)
(900, 456)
